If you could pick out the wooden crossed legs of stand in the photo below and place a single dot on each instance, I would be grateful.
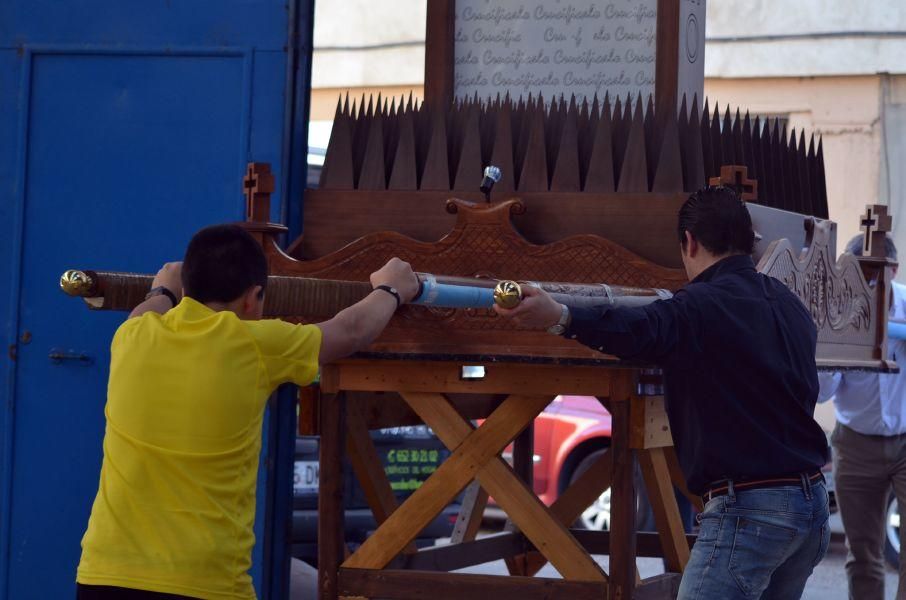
(388, 566)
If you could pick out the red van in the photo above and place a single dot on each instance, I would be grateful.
(571, 433)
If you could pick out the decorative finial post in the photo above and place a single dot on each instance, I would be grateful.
(737, 177)
(875, 224)
(258, 185)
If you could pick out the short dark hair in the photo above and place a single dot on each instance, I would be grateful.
(855, 246)
(221, 263)
(718, 219)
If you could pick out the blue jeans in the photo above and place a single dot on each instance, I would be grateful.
(760, 543)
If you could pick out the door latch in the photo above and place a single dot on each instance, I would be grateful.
(57, 357)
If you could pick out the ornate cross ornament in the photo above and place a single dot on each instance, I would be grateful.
(737, 177)
(875, 224)
(258, 185)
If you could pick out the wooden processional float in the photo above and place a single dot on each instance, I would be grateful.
(414, 374)
(588, 194)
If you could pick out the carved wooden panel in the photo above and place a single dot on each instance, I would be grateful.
(602, 169)
(335, 218)
(845, 308)
(483, 243)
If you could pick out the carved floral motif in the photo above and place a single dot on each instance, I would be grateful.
(840, 301)
(832, 301)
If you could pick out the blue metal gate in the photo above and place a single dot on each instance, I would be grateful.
(126, 126)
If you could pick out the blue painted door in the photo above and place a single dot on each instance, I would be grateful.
(126, 126)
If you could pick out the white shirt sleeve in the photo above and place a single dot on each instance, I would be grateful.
(829, 384)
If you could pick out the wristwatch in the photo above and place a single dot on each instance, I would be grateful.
(162, 291)
(562, 324)
(392, 291)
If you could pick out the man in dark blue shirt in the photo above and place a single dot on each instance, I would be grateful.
(738, 353)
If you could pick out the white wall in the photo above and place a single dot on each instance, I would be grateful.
(892, 168)
(788, 38)
(362, 43)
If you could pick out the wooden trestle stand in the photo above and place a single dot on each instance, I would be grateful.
(414, 374)
(386, 565)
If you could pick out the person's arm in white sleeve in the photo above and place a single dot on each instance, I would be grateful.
(828, 383)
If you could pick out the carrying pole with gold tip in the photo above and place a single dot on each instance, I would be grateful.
(507, 294)
(290, 296)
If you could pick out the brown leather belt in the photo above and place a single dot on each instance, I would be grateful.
(722, 489)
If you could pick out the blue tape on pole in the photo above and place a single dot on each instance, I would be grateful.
(443, 295)
(896, 330)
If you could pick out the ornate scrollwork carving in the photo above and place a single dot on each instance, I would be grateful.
(836, 294)
(835, 302)
(484, 244)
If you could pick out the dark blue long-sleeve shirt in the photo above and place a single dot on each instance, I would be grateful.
(738, 353)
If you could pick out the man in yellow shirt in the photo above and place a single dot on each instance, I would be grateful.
(189, 380)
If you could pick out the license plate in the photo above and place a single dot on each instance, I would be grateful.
(305, 477)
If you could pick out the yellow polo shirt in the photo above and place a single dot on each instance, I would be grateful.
(176, 501)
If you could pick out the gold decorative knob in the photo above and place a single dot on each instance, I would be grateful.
(507, 294)
(76, 283)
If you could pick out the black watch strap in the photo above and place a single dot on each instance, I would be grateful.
(392, 292)
(162, 291)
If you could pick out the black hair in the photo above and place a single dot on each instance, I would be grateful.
(854, 246)
(221, 263)
(718, 219)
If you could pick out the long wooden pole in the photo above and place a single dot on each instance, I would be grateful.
(301, 296)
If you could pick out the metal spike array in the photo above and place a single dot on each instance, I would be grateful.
(561, 145)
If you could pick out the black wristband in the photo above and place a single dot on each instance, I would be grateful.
(162, 291)
(392, 292)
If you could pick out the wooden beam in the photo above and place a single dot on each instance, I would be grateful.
(586, 489)
(331, 530)
(574, 500)
(663, 504)
(523, 455)
(623, 496)
(658, 587)
(309, 401)
(650, 425)
(522, 506)
(414, 376)
(450, 557)
(471, 453)
(387, 409)
(369, 470)
(471, 511)
(439, 52)
(679, 479)
(524, 468)
(419, 585)
(648, 544)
